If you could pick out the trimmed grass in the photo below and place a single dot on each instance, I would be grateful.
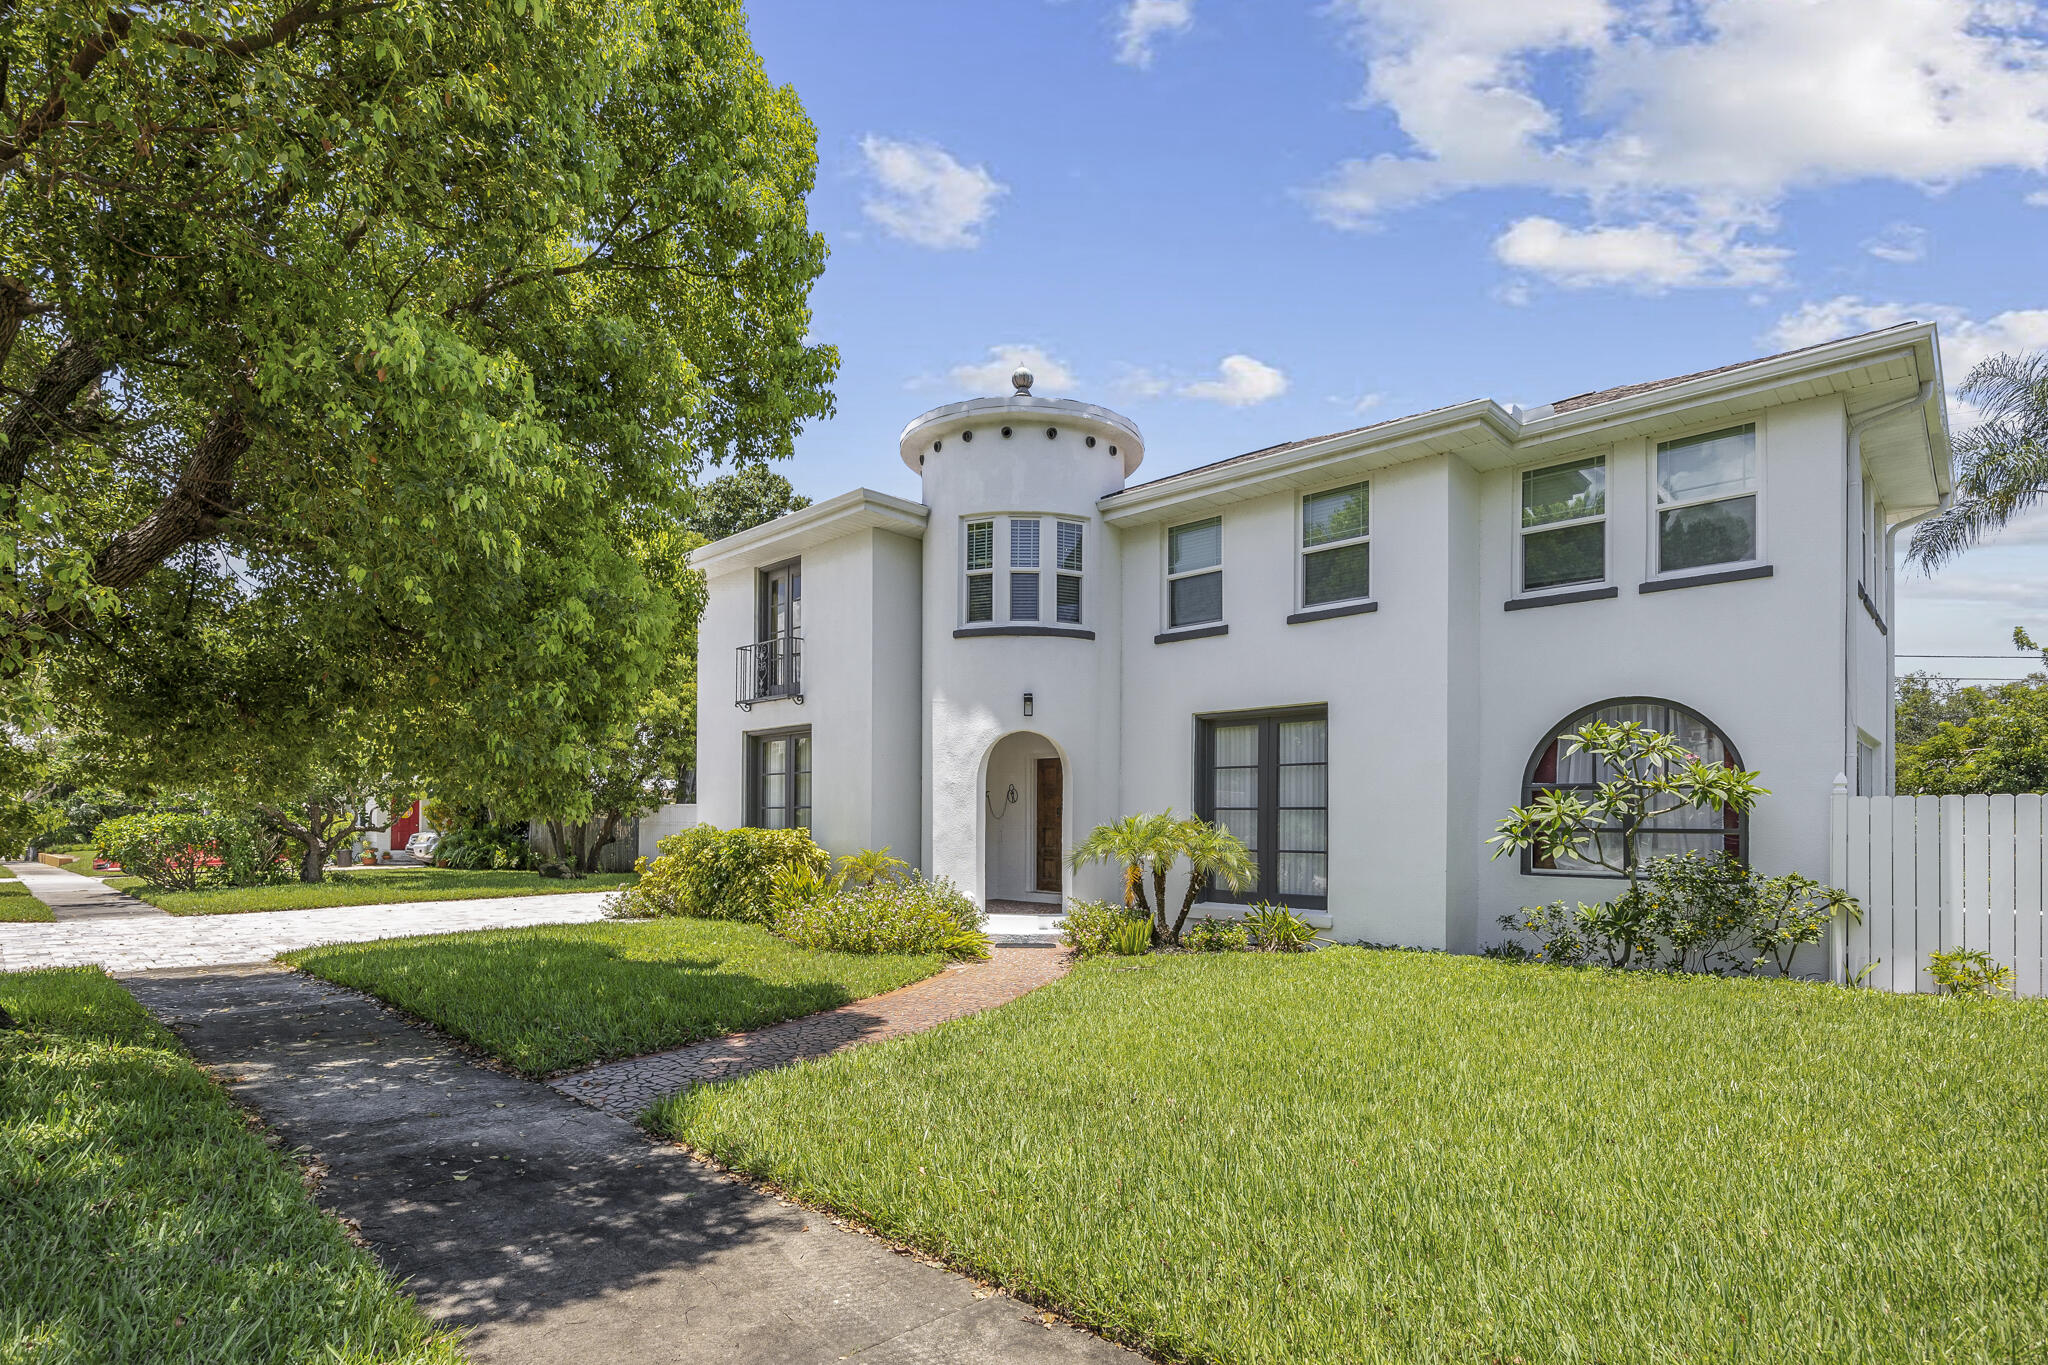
(368, 888)
(562, 996)
(17, 906)
(145, 1219)
(1380, 1156)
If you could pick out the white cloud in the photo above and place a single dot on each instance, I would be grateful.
(1681, 116)
(1240, 382)
(1138, 381)
(923, 195)
(1143, 21)
(1646, 256)
(1899, 243)
(1360, 405)
(2038, 199)
(993, 375)
(1964, 340)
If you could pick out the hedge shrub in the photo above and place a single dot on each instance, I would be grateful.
(182, 852)
(711, 873)
(484, 848)
(889, 915)
(1090, 928)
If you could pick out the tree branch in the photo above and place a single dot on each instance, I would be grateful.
(70, 372)
(190, 512)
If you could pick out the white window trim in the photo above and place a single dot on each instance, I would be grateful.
(1001, 566)
(1302, 550)
(1522, 533)
(1655, 541)
(1168, 578)
(1011, 568)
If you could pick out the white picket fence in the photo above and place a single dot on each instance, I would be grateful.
(1940, 872)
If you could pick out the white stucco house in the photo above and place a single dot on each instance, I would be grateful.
(1357, 650)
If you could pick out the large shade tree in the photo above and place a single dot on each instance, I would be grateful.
(391, 332)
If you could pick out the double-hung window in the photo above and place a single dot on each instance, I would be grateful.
(1707, 493)
(1336, 550)
(1194, 573)
(981, 563)
(1068, 587)
(1265, 778)
(1564, 525)
(1023, 568)
(779, 780)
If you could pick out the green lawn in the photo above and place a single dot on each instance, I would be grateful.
(145, 1220)
(17, 906)
(1378, 1156)
(368, 888)
(561, 996)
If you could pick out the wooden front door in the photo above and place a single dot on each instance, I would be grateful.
(1051, 820)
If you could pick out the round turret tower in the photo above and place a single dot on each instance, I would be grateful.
(1022, 629)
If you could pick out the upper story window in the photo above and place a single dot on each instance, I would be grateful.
(981, 563)
(1564, 525)
(1336, 549)
(1194, 573)
(1036, 549)
(1707, 493)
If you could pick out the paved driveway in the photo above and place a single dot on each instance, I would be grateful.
(138, 944)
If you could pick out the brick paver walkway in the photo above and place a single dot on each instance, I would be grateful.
(626, 1088)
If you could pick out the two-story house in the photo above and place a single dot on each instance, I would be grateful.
(1357, 651)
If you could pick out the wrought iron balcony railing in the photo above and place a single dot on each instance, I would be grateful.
(770, 670)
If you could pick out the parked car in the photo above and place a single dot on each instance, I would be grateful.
(421, 845)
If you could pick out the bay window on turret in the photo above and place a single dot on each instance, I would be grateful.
(1038, 580)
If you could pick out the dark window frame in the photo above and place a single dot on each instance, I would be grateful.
(1267, 888)
(756, 808)
(1738, 831)
(764, 613)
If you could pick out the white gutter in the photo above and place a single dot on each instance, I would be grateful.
(1852, 521)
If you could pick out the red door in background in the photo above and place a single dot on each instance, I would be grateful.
(405, 827)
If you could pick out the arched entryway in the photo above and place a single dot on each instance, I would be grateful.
(1024, 823)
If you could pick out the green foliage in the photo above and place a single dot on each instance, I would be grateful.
(1648, 774)
(1969, 972)
(1954, 740)
(2001, 463)
(1089, 927)
(361, 358)
(893, 915)
(1132, 842)
(1216, 936)
(179, 852)
(1276, 929)
(146, 1218)
(485, 848)
(713, 873)
(1708, 914)
(1130, 937)
(869, 866)
(748, 497)
(1213, 854)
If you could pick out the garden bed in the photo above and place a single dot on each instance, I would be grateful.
(146, 1219)
(367, 887)
(563, 996)
(1384, 1156)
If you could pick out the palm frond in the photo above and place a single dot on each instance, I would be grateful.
(2002, 462)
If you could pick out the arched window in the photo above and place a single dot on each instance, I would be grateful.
(1553, 768)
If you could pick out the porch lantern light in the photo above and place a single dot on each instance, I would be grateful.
(1027, 703)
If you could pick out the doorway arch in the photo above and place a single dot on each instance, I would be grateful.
(1025, 800)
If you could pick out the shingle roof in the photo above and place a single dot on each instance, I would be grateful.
(1572, 404)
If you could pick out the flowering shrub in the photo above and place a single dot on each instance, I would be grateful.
(891, 915)
(713, 873)
(178, 852)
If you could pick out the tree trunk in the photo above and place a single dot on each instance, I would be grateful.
(312, 866)
(75, 368)
(190, 511)
(607, 835)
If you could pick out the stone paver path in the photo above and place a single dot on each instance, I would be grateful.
(626, 1088)
(125, 945)
(558, 1234)
(75, 896)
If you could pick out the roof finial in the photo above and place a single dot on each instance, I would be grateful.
(1021, 379)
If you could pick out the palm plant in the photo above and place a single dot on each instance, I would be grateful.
(2002, 462)
(1136, 842)
(1213, 854)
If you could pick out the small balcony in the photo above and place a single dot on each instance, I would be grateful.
(770, 670)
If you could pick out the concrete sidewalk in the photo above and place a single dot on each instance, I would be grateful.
(558, 1234)
(140, 944)
(75, 896)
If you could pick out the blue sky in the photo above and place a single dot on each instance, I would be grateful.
(1246, 221)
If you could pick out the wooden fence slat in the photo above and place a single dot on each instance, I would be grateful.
(2026, 953)
(1950, 933)
(1976, 870)
(1905, 917)
(1927, 853)
(1870, 947)
(1877, 905)
(1998, 902)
